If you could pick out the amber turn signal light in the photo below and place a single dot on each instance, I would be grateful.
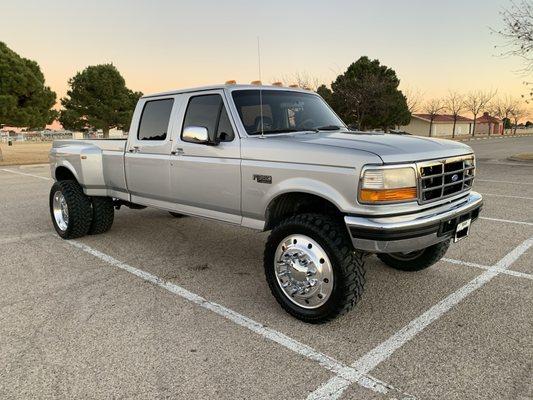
(384, 195)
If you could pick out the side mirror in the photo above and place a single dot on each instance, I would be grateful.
(196, 134)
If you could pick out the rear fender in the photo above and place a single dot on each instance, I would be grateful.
(85, 163)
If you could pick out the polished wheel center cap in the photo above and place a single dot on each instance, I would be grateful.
(299, 270)
(303, 271)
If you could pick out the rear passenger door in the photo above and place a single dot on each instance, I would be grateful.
(147, 163)
(206, 179)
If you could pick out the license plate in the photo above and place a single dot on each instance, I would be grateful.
(462, 230)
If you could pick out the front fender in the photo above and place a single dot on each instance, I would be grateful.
(338, 185)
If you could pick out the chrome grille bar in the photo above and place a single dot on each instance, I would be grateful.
(440, 179)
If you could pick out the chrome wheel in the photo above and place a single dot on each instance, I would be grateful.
(60, 210)
(303, 271)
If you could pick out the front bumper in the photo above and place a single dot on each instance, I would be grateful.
(404, 233)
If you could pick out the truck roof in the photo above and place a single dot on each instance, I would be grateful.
(229, 87)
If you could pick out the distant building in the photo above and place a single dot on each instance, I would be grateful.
(7, 135)
(488, 125)
(442, 125)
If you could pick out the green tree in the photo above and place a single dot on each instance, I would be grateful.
(326, 94)
(98, 99)
(367, 96)
(507, 123)
(25, 101)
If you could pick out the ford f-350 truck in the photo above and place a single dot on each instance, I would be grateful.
(276, 159)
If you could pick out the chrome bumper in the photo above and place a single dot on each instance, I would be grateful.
(404, 233)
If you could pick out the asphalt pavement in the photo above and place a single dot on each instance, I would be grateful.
(160, 307)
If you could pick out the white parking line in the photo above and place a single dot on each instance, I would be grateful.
(507, 195)
(496, 181)
(486, 267)
(335, 387)
(26, 174)
(507, 220)
(347, 373)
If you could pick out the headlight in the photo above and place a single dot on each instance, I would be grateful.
(382, 185)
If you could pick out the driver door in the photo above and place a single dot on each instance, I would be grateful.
(206, 178)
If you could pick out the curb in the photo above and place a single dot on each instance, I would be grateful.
(490, 137)
(520, 158)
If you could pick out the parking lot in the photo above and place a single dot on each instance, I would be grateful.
(160, 307)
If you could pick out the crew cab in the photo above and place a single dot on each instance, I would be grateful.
(276, 159)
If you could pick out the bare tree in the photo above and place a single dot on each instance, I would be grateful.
(302, 79)
(476, 102)
(414, 99)
(518, 31)
(432, 108)
(454, 103)
(518, 112)
(502, 107)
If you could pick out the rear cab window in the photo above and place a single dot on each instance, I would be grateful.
(155, 120)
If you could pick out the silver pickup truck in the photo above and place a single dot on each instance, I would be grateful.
(276, 159)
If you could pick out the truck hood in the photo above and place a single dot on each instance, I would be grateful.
(391, 148)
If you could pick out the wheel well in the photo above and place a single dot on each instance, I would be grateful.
(64, 174)
(289, 204)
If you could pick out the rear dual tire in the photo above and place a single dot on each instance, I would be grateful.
(103, 215)
(75, 214)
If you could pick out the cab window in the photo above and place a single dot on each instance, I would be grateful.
(155, 119)
(208, 111)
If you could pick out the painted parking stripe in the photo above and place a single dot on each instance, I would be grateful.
(347, 373)
(486, 267)
(507, 196)
(335, 387)
(507, 220)
(497, 181)
(26, 174)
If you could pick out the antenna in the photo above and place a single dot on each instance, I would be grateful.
(260, 88)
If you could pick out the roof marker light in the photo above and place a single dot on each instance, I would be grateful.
(231, 82)
(277, 84)
(256, 83)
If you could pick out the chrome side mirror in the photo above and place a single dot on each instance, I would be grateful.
(196, 134)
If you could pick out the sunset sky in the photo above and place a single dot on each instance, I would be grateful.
(434, 46)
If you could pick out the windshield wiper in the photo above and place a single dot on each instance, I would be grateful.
(327, 128)
(274, 131)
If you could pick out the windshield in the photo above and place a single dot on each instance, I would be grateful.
(284, 111)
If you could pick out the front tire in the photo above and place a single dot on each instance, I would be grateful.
(312, 268)
(416, 260)
(70, 209)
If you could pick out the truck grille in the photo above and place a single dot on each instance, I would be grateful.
(445, 178)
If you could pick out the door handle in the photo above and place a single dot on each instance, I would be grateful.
(179, 151)
(134, 149)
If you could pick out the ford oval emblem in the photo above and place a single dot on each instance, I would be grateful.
(455, 177)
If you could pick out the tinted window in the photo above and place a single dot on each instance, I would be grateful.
(155, 119)
(209, 112)
(283, 111)
(225, 131)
